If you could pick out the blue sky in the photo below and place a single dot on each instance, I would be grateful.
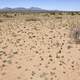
(45, 4)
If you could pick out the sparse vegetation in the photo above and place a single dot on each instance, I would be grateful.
(72, 13)
(75, 34)
(7, 15)
(52, 13)
(1, 20)
(58, 17)
(32, 19)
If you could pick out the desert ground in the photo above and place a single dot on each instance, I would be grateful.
(38, 46)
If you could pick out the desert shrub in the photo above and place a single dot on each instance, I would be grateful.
(78, 13)
(58, 17)
(15, 14)
(8, 16)
(1, 20)
(72, 13)
(75, 34)
(46, 14)
(52, 13)
(60, 13)
(32, 19)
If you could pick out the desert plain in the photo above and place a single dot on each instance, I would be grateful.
(38, 46)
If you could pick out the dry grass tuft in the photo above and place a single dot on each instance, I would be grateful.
(75, 34)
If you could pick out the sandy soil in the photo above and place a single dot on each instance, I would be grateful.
(38, 47)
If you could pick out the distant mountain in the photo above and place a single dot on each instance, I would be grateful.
(19, 8)
(6, 9)
(31, 9)
(35, 8)
(23, 9)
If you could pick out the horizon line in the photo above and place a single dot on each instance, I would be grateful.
(39, 8)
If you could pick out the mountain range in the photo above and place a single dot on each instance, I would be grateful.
(23, 9)
(32, 9)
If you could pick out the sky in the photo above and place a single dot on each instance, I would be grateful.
(44, 4)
